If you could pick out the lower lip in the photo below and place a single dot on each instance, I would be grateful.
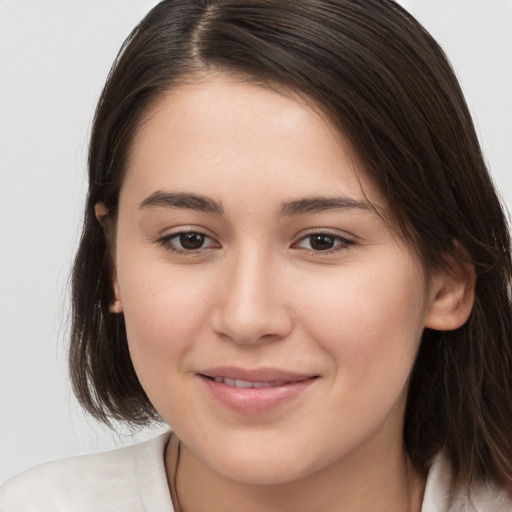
(256, 400)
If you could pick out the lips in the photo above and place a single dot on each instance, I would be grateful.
(244, 384)
(265, 374)
(254, 391)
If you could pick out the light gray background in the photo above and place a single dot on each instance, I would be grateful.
(54, 58)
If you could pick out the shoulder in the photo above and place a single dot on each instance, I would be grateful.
(442, 494)
(129, 479)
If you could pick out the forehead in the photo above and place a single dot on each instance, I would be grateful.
(223, 134)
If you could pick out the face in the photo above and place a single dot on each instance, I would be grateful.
(272, 315)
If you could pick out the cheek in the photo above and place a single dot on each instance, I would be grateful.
(165, 315)
(165, 311)
(369, 321)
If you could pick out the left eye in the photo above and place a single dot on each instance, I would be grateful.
(187, 241)
(322, 242)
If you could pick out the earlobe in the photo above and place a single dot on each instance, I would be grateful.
(101, 212)
(116, 306)
(451, 297)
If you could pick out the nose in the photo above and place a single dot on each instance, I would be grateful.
(252, 306)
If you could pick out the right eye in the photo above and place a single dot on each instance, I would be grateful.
(187, 242)
(324, 242)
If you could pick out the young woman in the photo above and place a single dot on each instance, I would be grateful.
(294, 256)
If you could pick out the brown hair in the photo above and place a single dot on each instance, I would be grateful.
(388, 87)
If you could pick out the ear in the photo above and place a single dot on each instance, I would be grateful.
(451, 296)
(101, 212)
(116, 305)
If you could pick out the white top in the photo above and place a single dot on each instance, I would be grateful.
(133, 479)
(130, 479)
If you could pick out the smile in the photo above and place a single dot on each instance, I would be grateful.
(238, 383)
(254, 392)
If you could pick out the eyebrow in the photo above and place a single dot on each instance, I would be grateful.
(195, 202)
(320, 204)
(298, 207)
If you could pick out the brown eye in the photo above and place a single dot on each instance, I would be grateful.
(323, 242)
(191, 241)
(187, 242)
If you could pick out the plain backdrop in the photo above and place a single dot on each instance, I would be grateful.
(54, 58)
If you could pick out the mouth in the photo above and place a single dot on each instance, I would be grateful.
(252, 392)
(247, 384)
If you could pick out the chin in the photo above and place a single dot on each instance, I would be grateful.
(268, 473)
(262, 467)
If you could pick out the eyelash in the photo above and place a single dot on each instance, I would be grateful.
(340, 242)
(167, 242)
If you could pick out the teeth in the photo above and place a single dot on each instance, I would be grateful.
(238, 383)
(266, 384)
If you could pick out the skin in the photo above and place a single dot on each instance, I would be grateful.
(257, 292)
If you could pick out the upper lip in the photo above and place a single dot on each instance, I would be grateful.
(255, 374)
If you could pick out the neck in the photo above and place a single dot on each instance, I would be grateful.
(383, 484)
